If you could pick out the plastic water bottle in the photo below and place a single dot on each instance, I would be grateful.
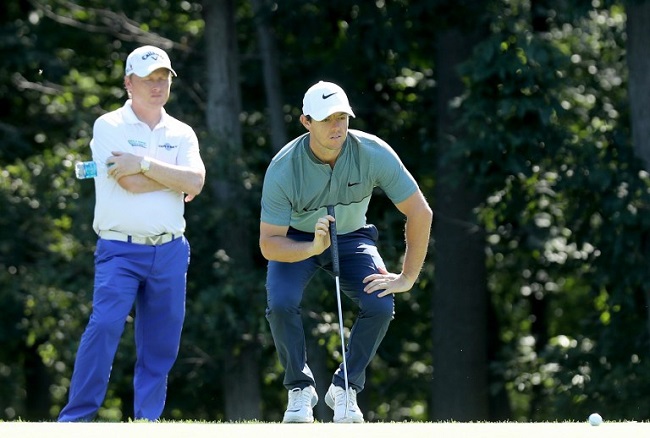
(89, 169)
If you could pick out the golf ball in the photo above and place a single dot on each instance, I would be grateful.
(595, 419)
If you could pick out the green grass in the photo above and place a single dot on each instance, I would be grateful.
(203, 429)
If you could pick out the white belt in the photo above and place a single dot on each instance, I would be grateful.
(140, 240)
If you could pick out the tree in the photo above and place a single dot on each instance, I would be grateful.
(460, 301)
(638, 61)
(239, 363)
(271, 72)
(638, 15)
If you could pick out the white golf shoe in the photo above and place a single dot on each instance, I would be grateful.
(300, 406)
(335, 399)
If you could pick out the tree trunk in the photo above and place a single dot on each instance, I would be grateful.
(241, 379)
(271, 71)
(460, 301)
(638, 60)
(241, 376)
(37, 387)
(222, 59)
(539, 304)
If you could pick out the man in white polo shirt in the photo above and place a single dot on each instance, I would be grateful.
(142, 256)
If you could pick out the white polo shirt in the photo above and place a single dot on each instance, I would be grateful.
(141, 214)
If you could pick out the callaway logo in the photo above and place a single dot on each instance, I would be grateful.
(153, 55)
(325, 96)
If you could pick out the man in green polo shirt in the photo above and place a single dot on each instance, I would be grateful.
(331, 165)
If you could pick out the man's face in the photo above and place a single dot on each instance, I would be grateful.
(329, 134)
(153, 89)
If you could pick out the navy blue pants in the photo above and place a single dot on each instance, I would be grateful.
(285, 284)
(154, 278)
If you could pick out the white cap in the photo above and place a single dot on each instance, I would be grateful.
(324, 99)
(145, 60)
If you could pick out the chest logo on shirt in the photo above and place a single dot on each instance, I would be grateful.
(137, 144)
(167, 146)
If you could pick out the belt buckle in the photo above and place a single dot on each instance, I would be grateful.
(159, 239)
(152, 240)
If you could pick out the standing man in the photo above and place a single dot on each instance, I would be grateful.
(142, 256)
(330, 165)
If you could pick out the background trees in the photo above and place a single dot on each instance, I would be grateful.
(513, 115)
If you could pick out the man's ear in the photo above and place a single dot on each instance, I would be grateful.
(127, 83)
(305, 121)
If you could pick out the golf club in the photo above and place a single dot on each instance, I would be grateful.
(334, 247)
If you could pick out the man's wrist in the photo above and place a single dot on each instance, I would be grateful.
(410, 277)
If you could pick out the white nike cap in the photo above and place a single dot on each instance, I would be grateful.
(324, 99)
(145, 60)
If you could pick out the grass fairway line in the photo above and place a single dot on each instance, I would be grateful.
(322, 430)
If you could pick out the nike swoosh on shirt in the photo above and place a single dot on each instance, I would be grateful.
(353, 184)
(328, 95)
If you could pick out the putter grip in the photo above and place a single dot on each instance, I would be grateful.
(335, 242)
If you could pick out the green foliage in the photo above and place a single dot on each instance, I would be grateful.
(545, 113)
(565, 215)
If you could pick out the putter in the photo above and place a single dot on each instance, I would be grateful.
(337, 271)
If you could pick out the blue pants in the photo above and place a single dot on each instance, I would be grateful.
(154, 278)
(285, 284)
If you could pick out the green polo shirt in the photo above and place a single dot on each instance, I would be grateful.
(298, 187)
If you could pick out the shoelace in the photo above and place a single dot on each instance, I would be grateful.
(352, 398)
(298, 399)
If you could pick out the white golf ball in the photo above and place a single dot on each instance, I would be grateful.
(595, 419)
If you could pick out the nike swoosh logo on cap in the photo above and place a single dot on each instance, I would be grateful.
(328, 95)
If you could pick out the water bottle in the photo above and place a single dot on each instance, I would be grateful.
(89, 169)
